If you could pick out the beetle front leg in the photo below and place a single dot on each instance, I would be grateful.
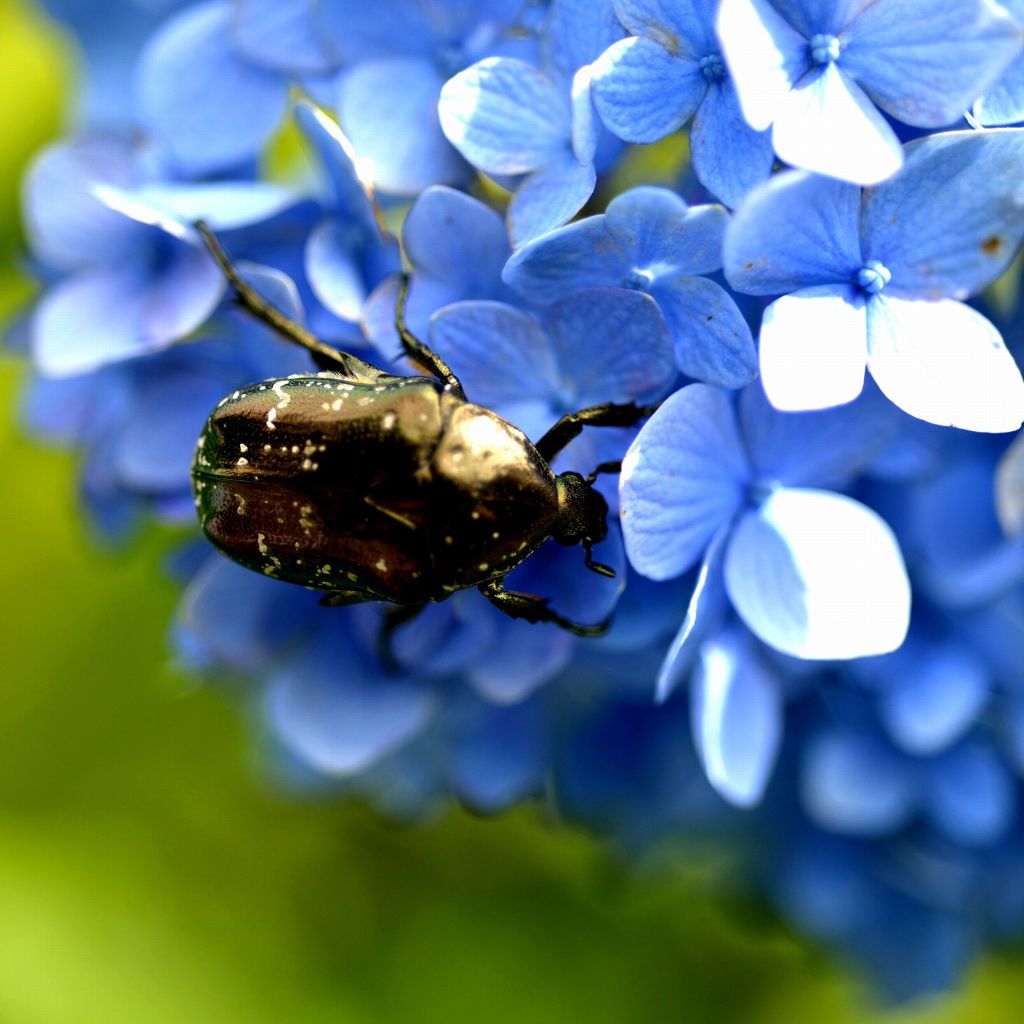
(571, 425)
(535, 609)
(418, 350)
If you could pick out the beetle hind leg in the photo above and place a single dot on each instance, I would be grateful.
(535, 609)
(418, 350)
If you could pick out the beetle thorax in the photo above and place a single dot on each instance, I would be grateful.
(582, 511)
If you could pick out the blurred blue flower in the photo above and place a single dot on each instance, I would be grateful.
(671, 69)
(879, 272)
(814, 73)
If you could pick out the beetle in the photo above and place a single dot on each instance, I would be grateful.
(374, 487)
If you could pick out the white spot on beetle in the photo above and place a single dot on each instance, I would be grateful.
(365, 400)
(271, 416)
(261, 543)
(243, 461)
(282, 394)
(243, 447)
(389, 421)
(382, 565)
(484, 567)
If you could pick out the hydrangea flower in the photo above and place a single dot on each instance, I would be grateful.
(648, 240)
(671, 69)
(873, 278)
(1004, 102)
(815, 72)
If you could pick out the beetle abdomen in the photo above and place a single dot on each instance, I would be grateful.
(321, 482)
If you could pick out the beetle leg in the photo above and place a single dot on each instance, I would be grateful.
(394, 616)
(599, 567)
(571, 425)
(535, 609)
(419, 351)
(325, 356)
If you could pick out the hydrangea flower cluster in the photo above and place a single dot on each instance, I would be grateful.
(819, 593)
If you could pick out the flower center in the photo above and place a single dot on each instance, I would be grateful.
(824, 48)
(759, 491)
(873, 277)
(713, 67)
(638, 280)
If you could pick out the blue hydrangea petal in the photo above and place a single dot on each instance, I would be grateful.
(523, 658)
(366, 29)
(1004, 102)
(736, 713)
(814, 17)
(795, 231)
(659, 231)
(388, 110)
(224, 205)
(847, 438)
(586, 128)
(502, 353)
(682, 479)
(340, 717)
(688, 28)
(549, 197)
(450, 235)
(504, 116)
(952, 221)
(612, 345)
(576, 33)
(852, 784)
(445, 637)
(103, 316)
(579, 255)
(1010, 488)
(499, 754)
(936, 700)
(283, 35)
(814, 348)
(713, 342)
(333, 269)
(193, 89)
(765, 54)
(925, 63)
(971, 380)
(64, 218)
(705, 613)
(729, 157)
(818, 575)
(971, 796)
(643, 92)
(828, 125)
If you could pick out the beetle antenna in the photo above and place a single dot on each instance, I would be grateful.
(255, 304)
(605, 467)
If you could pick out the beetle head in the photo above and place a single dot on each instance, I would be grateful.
(582, 517)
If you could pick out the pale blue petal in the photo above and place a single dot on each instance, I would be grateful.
(1004, 102)
(333, 269)
(828, 125)
(500, 353)
(576, 33)
(504, 116)
(388, 110)
(952, 221)
(611, 345)
(204, 103)
(935, 700)
(795, 231)
(847, 439)
(706, 611)
(549, 197)
(713, 342)
(729, 157)
(814, 17)
(766, 57)
(338, 717)
(643, 92)
(682, 479)
(945, 363)
(283, 36)
(736, 713)
(971, 796)
(445, 637)
(579, 255)
(818, 575)
(686, 27)
(1010, 488)
(663, 235)
(586, 128)
(523, 658)
(853, 784)
(814, 348)
(224, 205)
(925, 63)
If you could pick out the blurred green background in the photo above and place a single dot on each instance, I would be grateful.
(148, 874)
